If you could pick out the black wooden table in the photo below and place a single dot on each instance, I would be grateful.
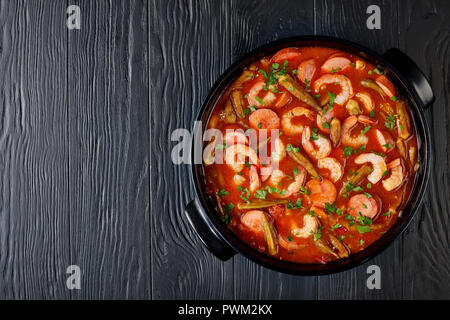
(86, 118)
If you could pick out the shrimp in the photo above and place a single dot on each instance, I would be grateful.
(235, 156)
(295, 186)
(378, 163)
(286, 120)
(321, 119)
(361, 204)
(322, 143)
(310, 226)
(255, 183)
(322, 192)
(234, 136)
(266, 172)
(396, 178)
(366, 101)
(347, 138)
(276, 177)
(344, 82)
(278, 154)
(279, 151)
(283, 100)
(333, 166)
(386, 85)
(366, 120)
(255, 100)
(238, 180)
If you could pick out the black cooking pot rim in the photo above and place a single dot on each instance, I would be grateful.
(420, 183)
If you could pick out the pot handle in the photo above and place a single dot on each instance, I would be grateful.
(412, 73)
(207, 232)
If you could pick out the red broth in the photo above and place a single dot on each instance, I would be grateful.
(342, 169)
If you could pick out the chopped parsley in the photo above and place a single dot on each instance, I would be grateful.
(318, 234)
(314, 135)
(245, 194)
(365, 130)
(364, 220)
(351, 219)
(331, 97)
(390, 122)
(333, 70)
(296, 205)
(388, 145)
(264, 74)
(291, 148)
(260, 194)
(307, 82)
(260, 100)
(362, 229)
(228, 208)
(349, 186)
(336, 226)
(223, 193)
(330, 208)
(348, 151)
(303, 190)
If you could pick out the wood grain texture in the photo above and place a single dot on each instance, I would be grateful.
(347, 19)
(109, 150)
(424, 30)
(34, 220)
(253, 24)
(190, 46)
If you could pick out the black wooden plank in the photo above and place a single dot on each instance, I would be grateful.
(254, 23)
(347, 19)
(109, 150)
(34, 221)
(190, 46)
(424, 30)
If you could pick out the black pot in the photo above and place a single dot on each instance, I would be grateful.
(412, 85)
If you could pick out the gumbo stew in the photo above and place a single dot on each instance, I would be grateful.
(311, 154)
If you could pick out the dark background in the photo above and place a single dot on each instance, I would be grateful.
(86, 176)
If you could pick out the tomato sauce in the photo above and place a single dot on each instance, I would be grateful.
(341, 155)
